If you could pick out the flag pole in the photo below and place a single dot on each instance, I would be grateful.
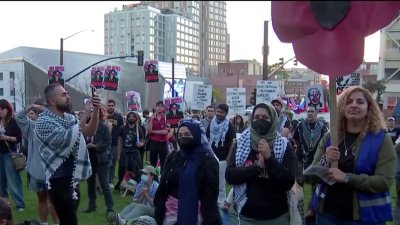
(333, 115)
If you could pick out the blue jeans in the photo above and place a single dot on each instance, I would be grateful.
(10, 181)
(111, 171)
(329, 219)
(224, 217)
(101, 171)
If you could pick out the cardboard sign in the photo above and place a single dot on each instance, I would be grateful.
(344, 82)
(151, 71)
(55, 74)
(112, 78)
(236, 100)
(201, 96)
(174, 111)
(97, 76)
(133, 101)
(267, 90)
(314, 96)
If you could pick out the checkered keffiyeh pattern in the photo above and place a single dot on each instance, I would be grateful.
(242, 152)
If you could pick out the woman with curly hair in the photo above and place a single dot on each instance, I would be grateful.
(360, 193)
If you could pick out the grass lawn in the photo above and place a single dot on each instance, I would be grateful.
(94, 218)
(99, 217)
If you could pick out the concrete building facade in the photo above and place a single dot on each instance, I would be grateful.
(209, 18)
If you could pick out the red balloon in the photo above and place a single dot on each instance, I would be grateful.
(334, 52)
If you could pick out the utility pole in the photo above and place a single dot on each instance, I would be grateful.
(173, 76)
(265, 51)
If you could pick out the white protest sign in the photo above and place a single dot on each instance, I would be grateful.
(267, 90)
(201, 96)
(236, 100)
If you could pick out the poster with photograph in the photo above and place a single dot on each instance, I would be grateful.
(344, 82)
(97, 76)
(55, 74)
(174, 111)
(314, 96)
(133, 101)
(151, 71)
(201, 96)
(111, 79)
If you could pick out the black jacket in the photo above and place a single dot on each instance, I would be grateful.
(266, 195)
(207, 184)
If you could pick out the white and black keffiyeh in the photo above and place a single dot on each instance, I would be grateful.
(218, 131)
(59, 137)
(242, 152)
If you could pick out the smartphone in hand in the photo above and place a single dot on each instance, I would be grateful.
(93, 91)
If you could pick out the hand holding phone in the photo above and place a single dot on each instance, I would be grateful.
(95, 98)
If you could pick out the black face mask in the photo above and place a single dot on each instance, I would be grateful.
(187, 144)
(131, 122)
(261, 126)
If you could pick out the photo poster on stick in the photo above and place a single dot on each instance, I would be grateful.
(111, 79)
(97, 76)
(314, 96)
(267, 90)
(343, 82)
(201, 96)
(55, 75)
(133, 101)
(174, 111)
(151, 71)
(236, 100)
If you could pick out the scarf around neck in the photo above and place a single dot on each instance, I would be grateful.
(218, 131)
(242, 152)
(59, 137)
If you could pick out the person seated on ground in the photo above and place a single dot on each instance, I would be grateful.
(142, 200)
(142, 220)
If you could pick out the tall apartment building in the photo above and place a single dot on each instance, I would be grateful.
(209, 17)
(161, 34)
(389, 63)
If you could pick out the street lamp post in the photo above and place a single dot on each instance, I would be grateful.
(62, 44)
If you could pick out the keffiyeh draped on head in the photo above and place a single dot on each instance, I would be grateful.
(59, 137)
(218, 131)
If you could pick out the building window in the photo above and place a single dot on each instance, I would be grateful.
(1, 76)
(12, 92)
(1, 91)
(12, 75)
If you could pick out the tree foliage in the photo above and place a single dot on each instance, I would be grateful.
(375, 86)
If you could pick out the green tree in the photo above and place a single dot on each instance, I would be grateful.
(376, 87)
(216, 96)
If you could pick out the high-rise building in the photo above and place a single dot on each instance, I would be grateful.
(161, 34)
(209, 18)
(389, 63)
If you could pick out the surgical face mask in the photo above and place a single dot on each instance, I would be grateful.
(144, 178)
(261, 126)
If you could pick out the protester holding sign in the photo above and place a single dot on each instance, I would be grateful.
(366, 164)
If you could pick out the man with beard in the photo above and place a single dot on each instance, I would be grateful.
(307, 136)
(117, 121)
(61, 144)
(283, 121)
(221, 134)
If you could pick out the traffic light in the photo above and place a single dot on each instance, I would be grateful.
(280, 61)
(295, 62)
(253, 97)
(140, 58)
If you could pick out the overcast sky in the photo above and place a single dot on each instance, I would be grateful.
(42, 24)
